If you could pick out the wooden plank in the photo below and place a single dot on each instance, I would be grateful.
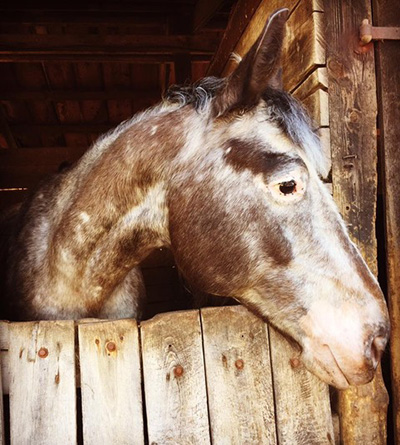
(25, 167)
(111, 382)
(42, 385)
(313, 92)
(304, 46)
(2, 430)
(353, 109)
(174, 380)
(5, 356)
(90, 16)
(254, 28)
(318, 80)
(18, 46)
(303, 413)
(6, 131)
(81, 94)
(318, 108)
(304, 49)
(183, 69)
(388, 54)
(118, 74)
(325, 138)
(240, 18)
(59, 129)
(239, 380)
(204, 11)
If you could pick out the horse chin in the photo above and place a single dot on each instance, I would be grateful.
(325, 367)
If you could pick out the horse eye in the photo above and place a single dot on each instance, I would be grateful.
(288, 187)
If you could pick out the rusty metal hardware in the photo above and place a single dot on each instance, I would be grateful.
(369, 32)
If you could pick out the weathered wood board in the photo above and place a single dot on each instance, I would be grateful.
(206, 378)
(239, 380)
(111, 383)
(42, 385)
(303, 412)
(352, 119)
(174, 379)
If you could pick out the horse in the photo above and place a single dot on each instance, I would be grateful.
(227, 173)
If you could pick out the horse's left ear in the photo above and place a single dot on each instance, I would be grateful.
(258, 69)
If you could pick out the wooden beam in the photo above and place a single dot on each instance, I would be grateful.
(21, 47)
(388, 55)
(239, 20)
(6, 131)
(87, 17)
(353, 109)
(61, 95)
(25, 167)
(98, 58)
(183, 68)
(59, 129)
(204, 11)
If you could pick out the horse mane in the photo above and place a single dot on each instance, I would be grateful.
(281, 109)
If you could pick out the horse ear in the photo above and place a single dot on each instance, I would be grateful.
(258, 69)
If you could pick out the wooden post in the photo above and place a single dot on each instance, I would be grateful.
(387, 13)
(353, 110)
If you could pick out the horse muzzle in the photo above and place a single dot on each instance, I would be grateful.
(343, 349)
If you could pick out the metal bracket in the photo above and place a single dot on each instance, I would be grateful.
(369, 32)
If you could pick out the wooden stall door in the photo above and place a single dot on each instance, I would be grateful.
(352, 116)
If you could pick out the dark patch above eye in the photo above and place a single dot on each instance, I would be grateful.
(251, 155)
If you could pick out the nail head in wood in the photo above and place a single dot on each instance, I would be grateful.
(43, 352)
(239, 364)
(111, 346)
(178, 371)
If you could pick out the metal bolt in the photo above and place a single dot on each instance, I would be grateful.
(43, 352)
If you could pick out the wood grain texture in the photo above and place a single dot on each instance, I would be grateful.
(353, 109)
(238, 21)
(2, 430)
(239, 380)
(304, 45)
(254, 28)
(313, 93)
(303, 413)
(387, 13)
(111, 383)
(174, 380)
(5, 356)
(42, 385)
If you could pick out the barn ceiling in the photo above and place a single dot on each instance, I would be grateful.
(71, 71)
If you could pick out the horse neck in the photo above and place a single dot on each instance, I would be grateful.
(117, 212)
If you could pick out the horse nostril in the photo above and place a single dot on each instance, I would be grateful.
(377, 347)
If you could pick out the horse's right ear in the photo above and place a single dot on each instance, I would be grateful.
(257, 70)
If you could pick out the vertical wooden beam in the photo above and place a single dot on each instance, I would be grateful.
(387, 13)
(5, 130)
(353, 110)
(183, 68)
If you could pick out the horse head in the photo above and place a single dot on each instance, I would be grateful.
(250, 217)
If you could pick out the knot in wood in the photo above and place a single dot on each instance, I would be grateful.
(295, 362)
(43, 352)
(239, 364)
(178, 371)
